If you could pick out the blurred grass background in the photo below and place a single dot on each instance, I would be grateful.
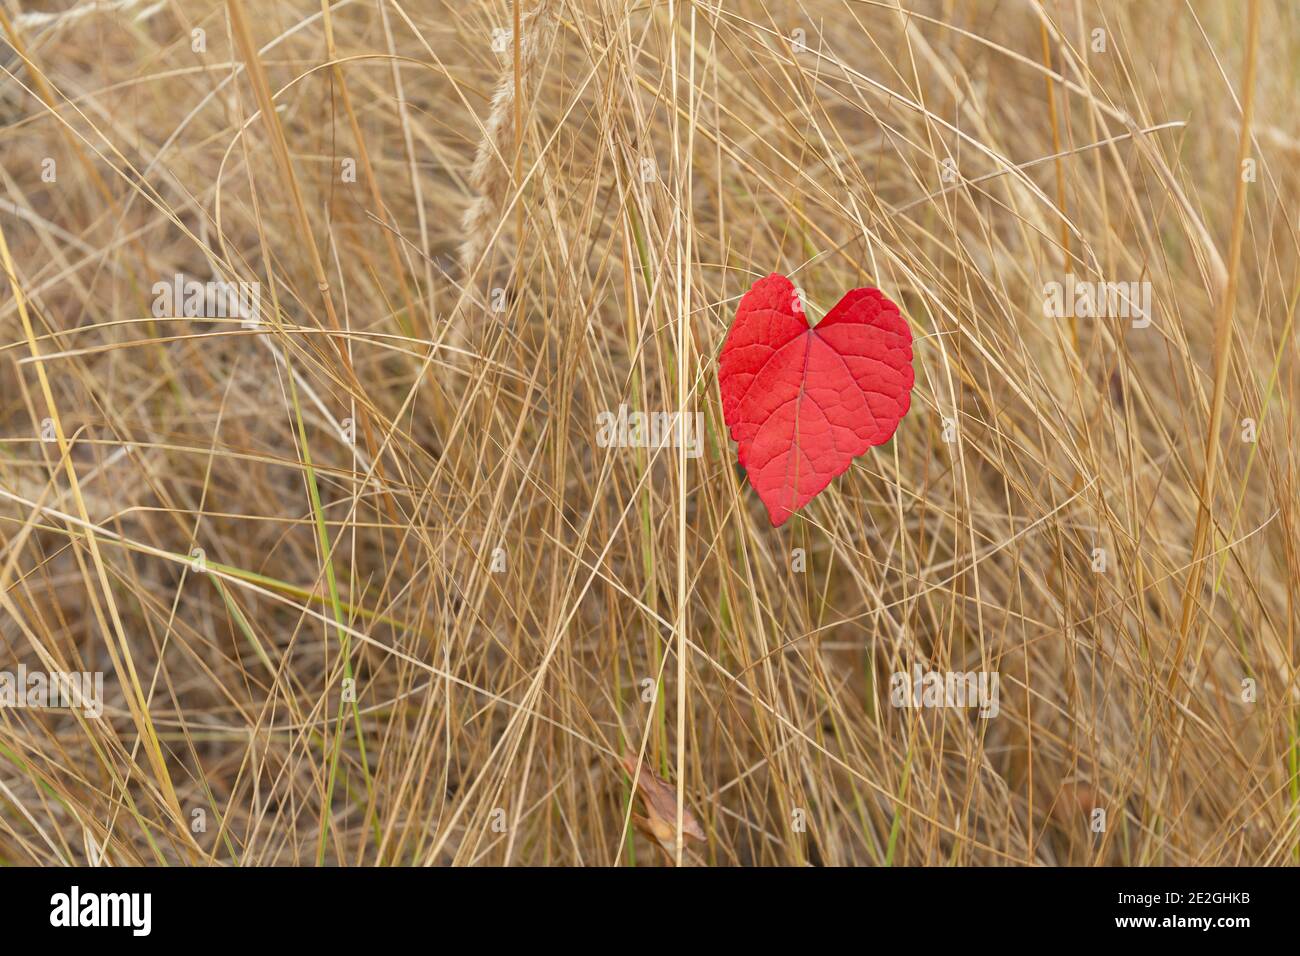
(365, 588)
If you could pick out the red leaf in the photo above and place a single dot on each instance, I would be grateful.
(802, 402)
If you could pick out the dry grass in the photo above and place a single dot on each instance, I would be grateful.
(349, 468)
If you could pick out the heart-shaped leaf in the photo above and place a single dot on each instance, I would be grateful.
(803, 401)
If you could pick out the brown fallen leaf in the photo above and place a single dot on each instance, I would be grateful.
(1075, 800)
(660, 802)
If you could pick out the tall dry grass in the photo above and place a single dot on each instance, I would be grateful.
(238, 526)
